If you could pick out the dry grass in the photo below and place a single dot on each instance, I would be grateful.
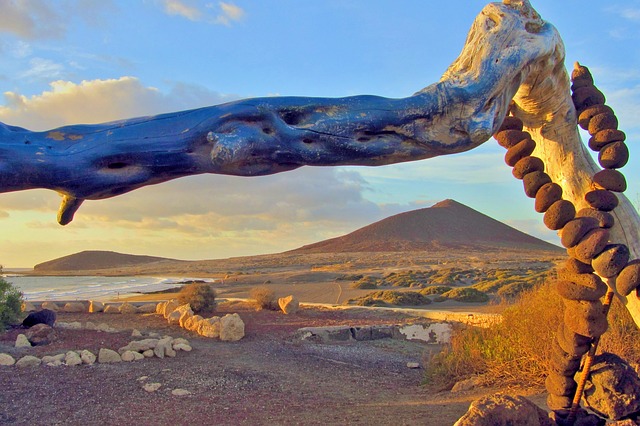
(264, 297)
(200, 296)
(517, 351)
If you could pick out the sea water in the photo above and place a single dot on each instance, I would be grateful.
(91, 288)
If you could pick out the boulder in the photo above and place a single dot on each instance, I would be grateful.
(27, 307)
(613, 388)
(6, 360)
(22, 341)
(95, 306)
(160, 307)
(186, 316)
(193, 323)
(289, 304)
(209, 327)
(147, 308)
(28, 361)
(174, 317)
(108, 356)
(44, 316)
(41, 334)
(231, 328)
(72, 358)
(500, 409)
(169, 307)
(87, 357)
(111, 309)
(51, 306)
(128, 308)
(74, 307)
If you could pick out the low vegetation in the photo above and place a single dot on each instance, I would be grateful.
(391, 297)
(200, 296)
(264, 298)
(466, 295)
(517, 350)
(10, 304)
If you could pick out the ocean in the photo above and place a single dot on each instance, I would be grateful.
(91, 288)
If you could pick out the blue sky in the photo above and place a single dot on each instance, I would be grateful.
(87, 61)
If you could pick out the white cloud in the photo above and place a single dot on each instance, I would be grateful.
(222, 14)
(43, 69)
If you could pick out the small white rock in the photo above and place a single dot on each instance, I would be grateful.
(413, 365)
(6, 359)
(55, 363)
(151, 387)
(22, 341)
(182, 347)
(148, 353)
(128, 356)
(87, 357)
(180, 392)
(106, 356)
(28, 361)
(136, 333)
(90, 325)
(72, 358)
(138, 356)
(142, 378)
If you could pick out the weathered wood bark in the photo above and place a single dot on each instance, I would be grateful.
(510, 54)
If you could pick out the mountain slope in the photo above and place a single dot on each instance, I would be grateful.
(90, 260)
(447, 225)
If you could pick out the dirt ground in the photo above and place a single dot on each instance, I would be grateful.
(268, 377)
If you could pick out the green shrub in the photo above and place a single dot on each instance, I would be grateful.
(392, 297)
(365, 283)
(466, 294)
(434, 289)
(10, 304)
(200, 296)
(264, 297)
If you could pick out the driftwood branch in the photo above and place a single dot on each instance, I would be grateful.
(511, 54)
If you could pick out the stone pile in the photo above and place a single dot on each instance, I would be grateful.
(93, 306)
(136, 350)
(229, 328)
(585, 233)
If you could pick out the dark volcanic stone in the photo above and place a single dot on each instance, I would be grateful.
(511, 123)
(601, 199)
(584, 317)
(41, 334)
(576, 229)
(527, 165)
(605, 219)
(558, 402)
(591, 245)
(574, 291)
(609, 179)
(533, 182)
(548, 194)
(504, 409)
(604, 137)
(560, 212)
(610, 262)
(558, 384)
(603, 121)
(629, 278)
(590, 112)
(44, 316)
(614, 155)
(561, 362)
(508, 138)
(522, 149)
(581, 73)
(574, 266)
(586, 279)
(587, 96)
(572, 343)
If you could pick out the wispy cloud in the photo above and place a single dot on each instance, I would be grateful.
(221, 14)
(43, 69)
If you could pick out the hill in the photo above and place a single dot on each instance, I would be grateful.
(447, 225)
(92, 260)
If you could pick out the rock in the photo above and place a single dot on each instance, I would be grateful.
(586, 318)
(136, 333)
(558, 384)
(53, 359)
(193, 323)
(526, 166)
(56, 363)
(174, 317)
(22, 341)
(610, 179)
(601, 199)
(605, 220)
(186, 316)
(466, 385)
(151, 387)
(209, 327)
(533, 181)
(74, 307)
(548, 194)
(87, 357)
(169, 351)
(169, 307)
(629, 278)
(75, 325)
(95, 306)
(128, 308)
(128, 356)
(574, 266)
(499, 409)
(577, 290)
(179, 340)
(28, 361)
(90, 326)
(108, 356)
(558, 214)
(161, 347)
(148, 353)
(160, 307)
(611, 260)
(27, 306)
(44, 316)
(41, 334)
(231, 328)
(52, 306)
(72, 358)
(139, 345)
(182, 347)
(111, 309)
(576, 229)
(591, 245)
(105, 327)
(180, 392)
(147, 308)
(138, 356)
(6, 360)
(614, 155)
(613, 388)
(289, 304)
